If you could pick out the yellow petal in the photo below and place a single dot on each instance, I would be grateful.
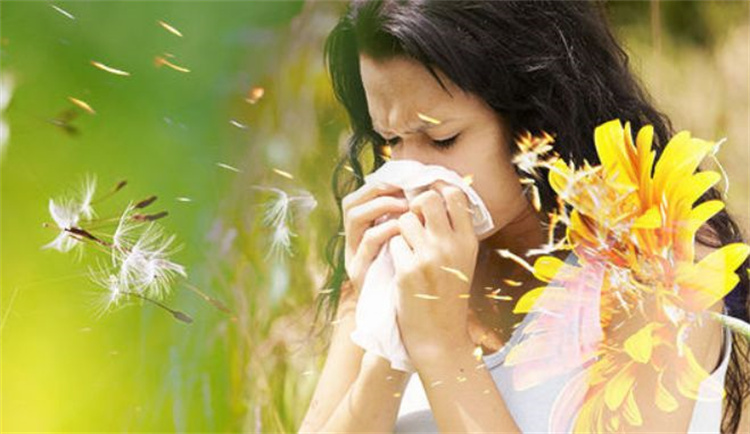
(609, 140)
(547, 267)
(559, 176)
(631, 413)
(640, 345)
(664, 400)
(526, 302)
(690, 374)
(651, 219)
(701, 213)
(645, 161)
(726, 259)
(617, 388)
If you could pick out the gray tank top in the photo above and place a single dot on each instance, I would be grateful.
(531, 408)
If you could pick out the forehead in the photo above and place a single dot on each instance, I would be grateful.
(399, 88)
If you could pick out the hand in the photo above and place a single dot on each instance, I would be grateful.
(434, 256)
(364, 237)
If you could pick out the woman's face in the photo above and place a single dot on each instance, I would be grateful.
(398, 89)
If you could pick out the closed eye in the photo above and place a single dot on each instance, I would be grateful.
(442, 144)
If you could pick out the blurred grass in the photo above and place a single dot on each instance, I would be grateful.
(139, 370)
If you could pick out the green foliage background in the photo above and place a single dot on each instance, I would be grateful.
(139, 370)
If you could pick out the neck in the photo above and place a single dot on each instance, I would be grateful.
(524, 232)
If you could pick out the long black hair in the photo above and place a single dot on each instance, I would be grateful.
(544, 66)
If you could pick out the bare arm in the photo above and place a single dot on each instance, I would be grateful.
(463, 395)
(341, 367)
(372, 403)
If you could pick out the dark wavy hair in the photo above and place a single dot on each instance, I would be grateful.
(550, 66)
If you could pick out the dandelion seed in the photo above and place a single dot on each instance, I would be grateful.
(278, 215)
(255, 94)
(145, 266)
(125, 228)
(183, 199)
(82, 104)
(109, 69)
(160, 61)
(428, 119)
(65, 214)
(283, 173)
(349, 168)
(169, 28)
(88, 190)
(228, 167)
(112, 296)
(150, 217)
(145, 202)
(63, 12)
(6, 94)
(455, 272)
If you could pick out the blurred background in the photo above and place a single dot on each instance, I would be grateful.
(220, 97)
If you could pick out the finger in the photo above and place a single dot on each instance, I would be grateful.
(361, 217)
(412, 230)
(403, 256)
(459, 209)
(430, 204)
(374, 239)
(366, 193)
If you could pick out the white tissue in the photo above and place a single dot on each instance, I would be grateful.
(376, 328)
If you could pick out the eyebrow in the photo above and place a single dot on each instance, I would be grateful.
(425, 126)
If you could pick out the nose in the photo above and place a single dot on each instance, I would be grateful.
(410, 149)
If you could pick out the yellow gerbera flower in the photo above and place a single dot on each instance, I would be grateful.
(632, 222)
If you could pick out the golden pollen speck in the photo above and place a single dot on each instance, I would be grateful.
(109, 69)
(397, 394)
(455, 272)
(170, 29)
(511, 282)
(426, 296)
(160, 61)
(82, 104)
(228, 167)
(436, 383)
(464, 295)
(428, 119)
(478, 352)
(468, 179)
(283, 173)
(255, 94)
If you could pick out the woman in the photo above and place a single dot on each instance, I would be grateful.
(488, 71)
